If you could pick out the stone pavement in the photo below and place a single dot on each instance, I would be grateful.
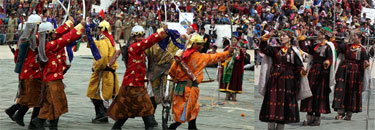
(81, 110)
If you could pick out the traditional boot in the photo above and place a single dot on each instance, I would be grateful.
(348, 116)
(234, 97)
(165, 117)
(271, 126)
(149, 122)
(340, 114)
(33, 115)
(100, 110)
(228, 96)
(18, 117)
(118, 124)
(309, 120)
(316, 121)
(280, 126)
(174, 126)
(38, 123)
(53, 124)
(155, 105)
(12, 109)
(192, 124)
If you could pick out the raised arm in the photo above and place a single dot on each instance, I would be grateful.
(141, 46)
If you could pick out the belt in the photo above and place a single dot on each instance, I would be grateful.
(109, 69)
(180, 88)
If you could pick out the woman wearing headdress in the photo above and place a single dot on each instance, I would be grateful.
(280, 85)
(321, 76)
(349, 77)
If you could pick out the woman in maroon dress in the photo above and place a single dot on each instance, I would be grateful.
(322, 69)
(232, 73)
(349, 78)
(283, 82)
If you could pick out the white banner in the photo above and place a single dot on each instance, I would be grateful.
(370, 13)
(186, 19)
(221, 31)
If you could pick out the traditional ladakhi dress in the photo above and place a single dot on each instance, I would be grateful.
(319, 78)
(232, 73)
(349, 78)
(282, 85)
(185, 99)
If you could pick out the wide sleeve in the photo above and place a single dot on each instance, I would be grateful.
(214, 58)
(329, 55)
(265, 48)
(173, 71)
(66, 27)
(140, 47)
(66, 39)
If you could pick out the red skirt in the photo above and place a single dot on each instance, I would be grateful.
(280, 101)
(319, 86)
(348, 89)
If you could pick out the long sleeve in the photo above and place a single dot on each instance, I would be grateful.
(66, 27)
(141, 46)
(66, 39)
(265, 48)
(214, 58)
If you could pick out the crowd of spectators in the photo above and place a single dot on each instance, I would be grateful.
(254, 17)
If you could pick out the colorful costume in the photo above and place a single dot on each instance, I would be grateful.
(54, 98)
(281, 86)
(104, 82)
(349, 80)
(321, 80)
(232, 71)
(185, 99)
(132, 99)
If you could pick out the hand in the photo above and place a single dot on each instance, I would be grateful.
(272, 33)
(231, 50)
(165, 27)
(326, 64)
(366, 64)
(304, 72)
(71, 18)
(83, 22)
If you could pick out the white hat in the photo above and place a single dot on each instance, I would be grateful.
(45, 27)
(137, 30)
(34, 18)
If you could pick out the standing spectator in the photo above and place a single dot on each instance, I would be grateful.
(250, 35)
(12, 24)
(119, 29)
(212, 31)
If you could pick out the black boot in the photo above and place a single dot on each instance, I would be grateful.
(192, 124)
(38, 123)
(155, 106)
(12, 109)
(149, 122)
(118, 124)
(33, 115)
(174, 126)
(165, 117)
(18, 117)
(53, 124)
(100, 110)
